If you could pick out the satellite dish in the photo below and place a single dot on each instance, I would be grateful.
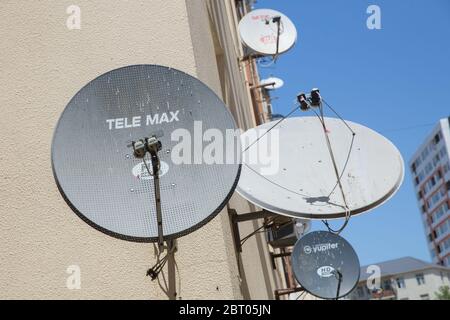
(267, 32)
(289, 170)
(325, 265)
(302, 227)
(272, 83)
(101, 180)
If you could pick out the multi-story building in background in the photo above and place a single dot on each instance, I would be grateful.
(430, 168)
(401, 279)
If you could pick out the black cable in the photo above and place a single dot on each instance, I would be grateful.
(339, 276)
(277, 52)
(337, 114)
(276, 125)
(266, 225)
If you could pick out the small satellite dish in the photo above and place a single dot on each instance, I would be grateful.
(267, 32)
(301, 227)
(289, 170)
(99, 176)
(325, 265)
(272, 83)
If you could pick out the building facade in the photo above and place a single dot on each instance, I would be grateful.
(430, 169)
(44, 63)
(401, 279)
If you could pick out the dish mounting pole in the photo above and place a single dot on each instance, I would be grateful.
(153, 146)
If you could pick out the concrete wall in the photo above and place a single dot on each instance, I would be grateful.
(43, 64)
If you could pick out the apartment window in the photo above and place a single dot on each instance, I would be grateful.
(446, 244)
(443, 152)
(387, 285)
(401, 283)
(425, 296)
(440, 212)
(436, 159)
(420, 279)
(437, 138)
(446, 168)
(429, 168)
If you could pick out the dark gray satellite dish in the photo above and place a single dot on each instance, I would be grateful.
(325, 265)
(109, 187)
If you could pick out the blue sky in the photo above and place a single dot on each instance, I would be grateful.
(389, 79)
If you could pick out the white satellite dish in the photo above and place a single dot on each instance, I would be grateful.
(301, 227)
(272, 83)
(267, 32)
(296, 177)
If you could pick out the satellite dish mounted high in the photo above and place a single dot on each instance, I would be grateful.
(325, 265)
(267, 32)
(116, 121)
(301, 178)
(272, 83)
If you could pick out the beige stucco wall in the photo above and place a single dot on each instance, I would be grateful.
(43, 64)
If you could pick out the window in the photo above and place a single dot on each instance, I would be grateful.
(437, 138)
(401, 283)
(425, 296)
(443, 152)
(446, 245)
(442, 229)
(436, 159)
(446, 168)
(440, 212)
(437, 197)
(387, 285)
(428, 168)
(420, 279)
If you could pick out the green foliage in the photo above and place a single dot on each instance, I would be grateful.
(443, 293)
